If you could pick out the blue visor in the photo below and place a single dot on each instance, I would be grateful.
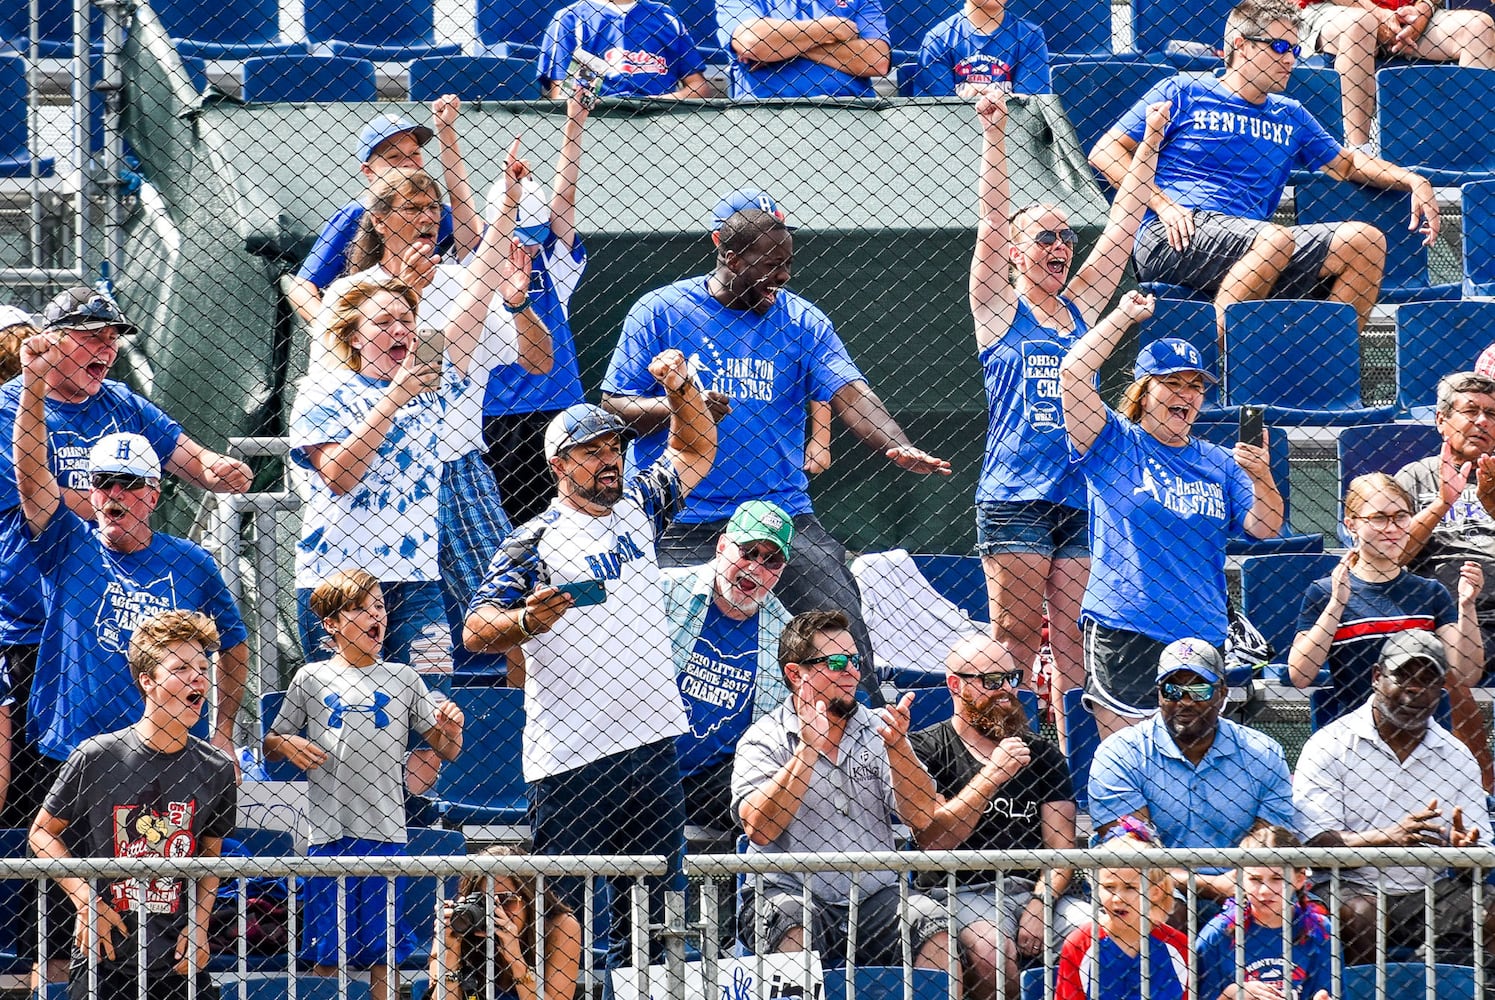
(534, 236)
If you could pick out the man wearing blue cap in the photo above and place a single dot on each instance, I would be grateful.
(390, 142)
(1203, 781)
(579, 588)
(763, 354)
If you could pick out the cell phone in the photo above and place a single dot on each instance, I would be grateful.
(585, 593)
(430, 345)
(1251, 425)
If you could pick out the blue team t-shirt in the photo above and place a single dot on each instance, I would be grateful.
(797, 77)
(96, 597)
(1092, 966)
(512, 390)
(1221, 153)
(717, 687)
(1311, 952)
(1159, 520)
(328, 258)
(1027, 453)
(1016, 55)
(646, 47)
(72, 429)
(771, 366)
(1374, 612)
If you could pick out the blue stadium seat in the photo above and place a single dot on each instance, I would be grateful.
(485, 784)
(1192, 320)
(474, 78)
(55, 37)
(1034, 986)
(1095, 93)
(887, 981)
(1448, 149)
(1272, 589)
(13, 923)
(1073, 29)
(961, 580)
(419, 909)
(1433, 339)
(909, 20)
(309, 78)
(1381, 448)
(398, 30)
(1323, 199)
(1322, 389)
(1155, 23)
(1317, 89)
(699, 18)
(279, 770)
(228, 31)
(1408, 981)
(1479, 238)
(519, 28)
(1289, 540)
(1084, 738)
(15, 152)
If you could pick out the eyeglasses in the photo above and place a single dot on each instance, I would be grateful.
(1203, 691)
(1475, 412)
(993, 680)
(1048, 237)
(125, 481)
(767, 556)
(836, 662)
(413, 209)
(1281, 46)
(1401, 519)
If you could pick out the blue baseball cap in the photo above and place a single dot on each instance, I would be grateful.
(741, 201)
(580, 423)
(387, 127)
(1170, 355)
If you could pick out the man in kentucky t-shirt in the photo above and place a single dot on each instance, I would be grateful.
(1225, 159)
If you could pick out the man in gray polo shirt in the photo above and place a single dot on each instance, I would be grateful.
(822, 773)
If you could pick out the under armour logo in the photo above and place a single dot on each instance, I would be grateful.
(334, 701)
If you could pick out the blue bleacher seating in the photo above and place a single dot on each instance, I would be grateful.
(473, 78)
(1479, 238)
(1084, 738)
(398, 30)
(485, 784)
(1317, 88)
(1433, 339)
(228, 31)
(1446, 149)
(520, 27)
(309, 78)
(1321, 198)
(1034, 985)
(254, 843)
(1383, 448)
(909, 20)
(1073, 31)
(699, 18)
(1322, 710)
(1272, 589)
(419, 900)
(15, 154)
(1408, 981)
(1323, 388)
(13, 923)
(1194, 321)
(887, 981)
(1095, 93)
(961, 580)
(55, 17)
(279, 770)
(1155, 23)
(1289, 540)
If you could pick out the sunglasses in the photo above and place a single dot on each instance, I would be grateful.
(766, 556)
(1203, 691)
(107, 480)
(836, 662)
(993, 680)
(1048, 237)
(1281, 46)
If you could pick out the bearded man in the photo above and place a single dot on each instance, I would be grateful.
(1004, 789)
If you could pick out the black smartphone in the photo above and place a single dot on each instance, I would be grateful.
(585, 593)
(1251, 425)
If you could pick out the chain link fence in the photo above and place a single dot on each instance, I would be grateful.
(741, 429)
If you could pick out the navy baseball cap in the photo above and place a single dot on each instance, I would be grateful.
(85, 308)
(387, 127)
(1168, 356)
(580, 423)
(1193, 655)
(741, 201)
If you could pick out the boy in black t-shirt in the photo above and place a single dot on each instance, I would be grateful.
(151, 790)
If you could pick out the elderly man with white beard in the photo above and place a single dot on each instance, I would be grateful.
(725, 625)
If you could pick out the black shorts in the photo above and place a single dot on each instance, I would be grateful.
(1121, 670)
(1221, 240)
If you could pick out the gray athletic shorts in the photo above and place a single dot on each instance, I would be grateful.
(879, 929)
(1221, 240)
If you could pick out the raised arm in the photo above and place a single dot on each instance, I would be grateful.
(466, 223)
(1084, 412)
(568, 166)
(1462, 640)
(40, 494)
(914, 793)
(692, 441)
(993, 299)
(1310, 649)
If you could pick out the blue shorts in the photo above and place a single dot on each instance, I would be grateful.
(366, 902)
(1032, 527)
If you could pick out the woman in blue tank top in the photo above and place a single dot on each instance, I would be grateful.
(1030, 506)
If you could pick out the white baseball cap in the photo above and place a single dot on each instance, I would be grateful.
(124, 455)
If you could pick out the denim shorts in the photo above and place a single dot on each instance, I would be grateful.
(1032, 527)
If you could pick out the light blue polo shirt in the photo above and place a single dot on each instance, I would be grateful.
(1242, 778)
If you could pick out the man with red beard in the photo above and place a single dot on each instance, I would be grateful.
(1005, 789)
(725, 625)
